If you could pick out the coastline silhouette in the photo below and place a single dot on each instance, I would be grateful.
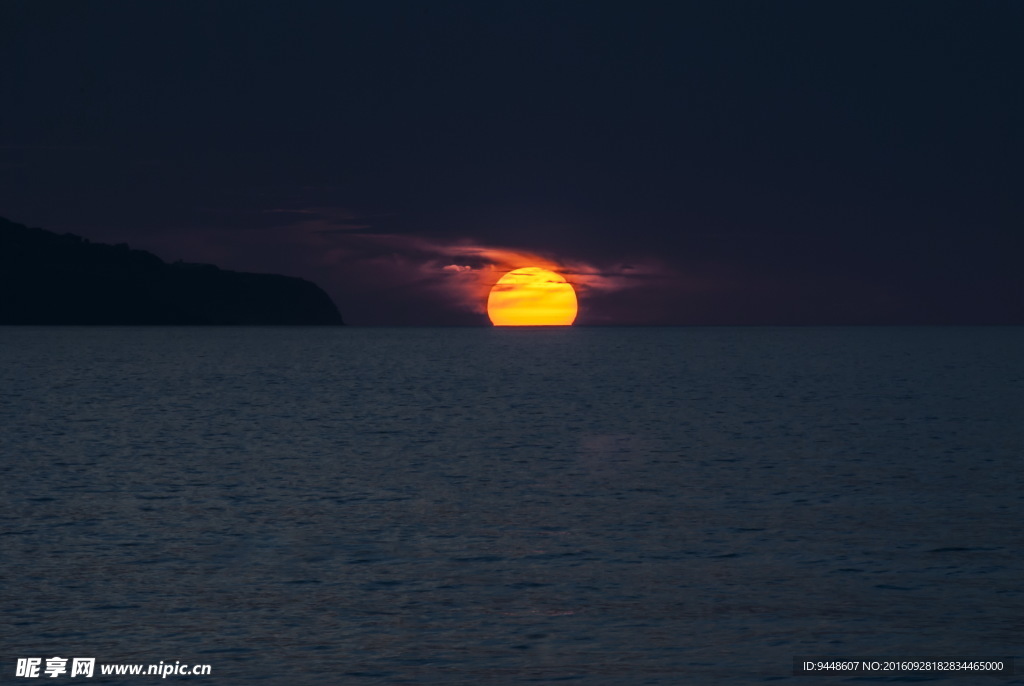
(55, 279)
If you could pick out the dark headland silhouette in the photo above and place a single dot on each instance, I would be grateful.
(48, 278)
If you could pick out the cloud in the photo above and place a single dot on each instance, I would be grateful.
(324, 220)
(459, 272)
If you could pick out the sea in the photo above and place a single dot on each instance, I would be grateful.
(521, 505)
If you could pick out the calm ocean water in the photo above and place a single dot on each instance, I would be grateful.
(477, 506)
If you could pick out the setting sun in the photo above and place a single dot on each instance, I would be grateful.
(532, 296)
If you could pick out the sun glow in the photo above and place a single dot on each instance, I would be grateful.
(532, 296)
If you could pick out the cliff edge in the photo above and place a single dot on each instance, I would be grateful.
(48, 278)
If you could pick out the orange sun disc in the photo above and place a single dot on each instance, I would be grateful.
(532, 296)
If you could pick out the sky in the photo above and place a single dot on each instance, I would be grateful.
(680, 163)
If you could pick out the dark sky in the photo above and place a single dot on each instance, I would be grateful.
(706, 162)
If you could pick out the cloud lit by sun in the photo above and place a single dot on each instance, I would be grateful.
(477, 268)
